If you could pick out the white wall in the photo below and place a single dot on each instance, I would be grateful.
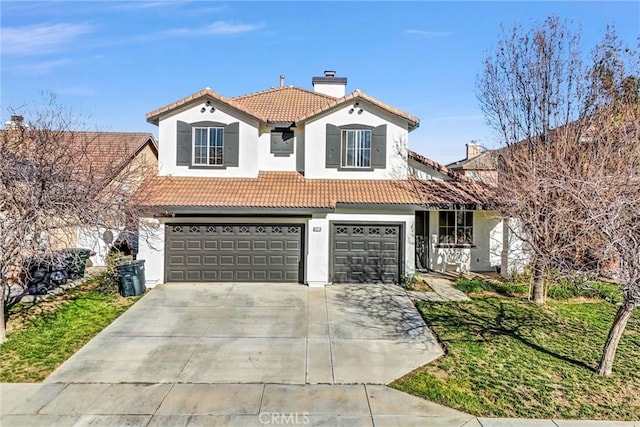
(318, 250)
(331, 89)
(483, 256)
(271, 162)
(517, 256)
(151, 250)
(397, 136)
(91, 238)
(422, 171)
(247, 151)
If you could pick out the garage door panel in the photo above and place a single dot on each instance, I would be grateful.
(276, 245)
(194, 275)
(210, 245)
(233, 252)
(341, 246)
(243, 275)
(227, 245)
(259, 245)
(210, 260)
(210, 275)
(243, 245)
(243, 260)
(194, 245)
(226, 260)
(176, 260)
(177, 244)
(194, 260)
(365, 253)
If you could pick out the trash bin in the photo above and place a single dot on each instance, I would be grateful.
(45, 272)
(76, 260)
(131, 278)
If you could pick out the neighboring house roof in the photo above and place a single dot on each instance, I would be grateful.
(110, 152)
(292, 190)
(437, 166)
(483, 161)
(287, 104)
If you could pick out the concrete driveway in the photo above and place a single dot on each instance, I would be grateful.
(258, 333)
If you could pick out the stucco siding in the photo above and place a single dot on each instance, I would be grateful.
(248, 163)
(396, 148)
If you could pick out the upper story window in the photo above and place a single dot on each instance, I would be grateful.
(356, 148)
(455, 228)
(208, 146)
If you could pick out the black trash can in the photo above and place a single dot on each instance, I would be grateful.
(131, 278)
(45, 272)
(76, 260)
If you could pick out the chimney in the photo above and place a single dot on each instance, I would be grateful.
(473, 149)
(330, 85)
(281, 80)
(16, 122)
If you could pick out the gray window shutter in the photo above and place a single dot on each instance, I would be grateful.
(231, 144)
(281, 141)
(379, 147)
(183, 144)
(333, 146)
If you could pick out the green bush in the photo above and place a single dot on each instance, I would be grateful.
(106, 282)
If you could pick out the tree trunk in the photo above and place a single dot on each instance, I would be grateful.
(539, 295)
(615, 333)
(3, 320)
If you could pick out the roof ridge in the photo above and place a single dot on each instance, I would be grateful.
(276, 89)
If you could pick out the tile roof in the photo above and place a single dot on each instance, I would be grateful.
(154, 116)
(287, 104)
(109, 152)
(283, 104)
(437, 166)
(484, 161)
(292, 190)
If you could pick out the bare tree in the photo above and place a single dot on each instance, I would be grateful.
(605, 184)
(53, 178)
(569, 171)
(535, 94)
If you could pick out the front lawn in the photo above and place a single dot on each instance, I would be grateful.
(43, 336)
(506, 357)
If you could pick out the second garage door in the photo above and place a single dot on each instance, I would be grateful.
(366, 253)
(233, 252)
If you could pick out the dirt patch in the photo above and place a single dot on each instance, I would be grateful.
(422, 286)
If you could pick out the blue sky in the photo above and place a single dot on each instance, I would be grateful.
(112, 62)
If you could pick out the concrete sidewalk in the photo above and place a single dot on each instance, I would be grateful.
(237, 405)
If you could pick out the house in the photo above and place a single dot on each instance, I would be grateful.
(129, 157)
(479, 164)
(108, 159)
(310, 186)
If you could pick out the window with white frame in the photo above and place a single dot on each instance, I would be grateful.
(208, 146)
(356, 148)
(455, 228)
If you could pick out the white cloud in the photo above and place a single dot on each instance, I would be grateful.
(426, 33)
(217, 28)
(41, 38)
